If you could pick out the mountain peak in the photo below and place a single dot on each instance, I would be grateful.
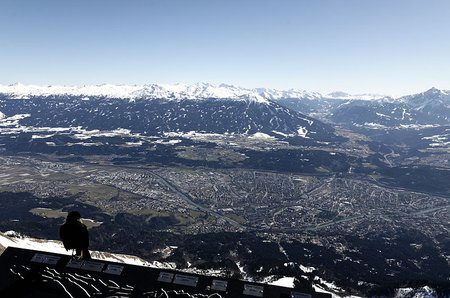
(434, 91)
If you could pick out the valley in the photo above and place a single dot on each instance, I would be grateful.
(251, 187)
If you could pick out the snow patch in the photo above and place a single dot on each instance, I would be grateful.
(261, 135)
(320, 289)
(288, 282)
(307, 269)
(280, 133)
(423, 292)
(168, 142)
(374, 125)
(302, 132)
(134, 144)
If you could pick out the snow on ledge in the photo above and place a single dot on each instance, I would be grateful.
(287, 282)
(14, 239)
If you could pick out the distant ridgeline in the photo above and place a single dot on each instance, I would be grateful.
(29, 273)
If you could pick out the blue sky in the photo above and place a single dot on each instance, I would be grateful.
(383, 46)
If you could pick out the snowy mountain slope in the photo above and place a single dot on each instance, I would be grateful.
(433, 103)
(432, 96)
(431, 107)
(379, 113)
(223, 105)
(322, 106)
(422, 292)
(154, 116)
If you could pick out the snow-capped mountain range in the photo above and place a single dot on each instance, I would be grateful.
(431, 107)
(150, 91)
(175, 92)
(222, 108)
(193, 91)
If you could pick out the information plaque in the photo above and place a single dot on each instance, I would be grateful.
(73, 263)
(252, 290)
(114, 269)
(92, 266)
(219, 285)
(165, 277)
(300, 295)
(185, 280)
(45, 259)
